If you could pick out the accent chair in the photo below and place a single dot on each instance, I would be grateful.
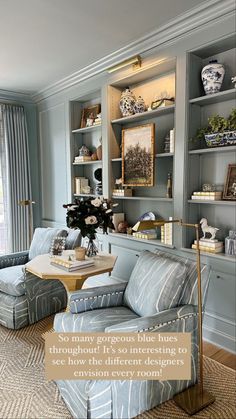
(25, 298)
(160, 296)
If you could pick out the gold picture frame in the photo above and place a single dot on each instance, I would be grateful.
(138, 155)
(230, 184)
(90, 111)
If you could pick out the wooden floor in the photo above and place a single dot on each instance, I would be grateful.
(220, 355)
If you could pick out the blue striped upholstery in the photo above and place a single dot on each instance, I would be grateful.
(13, 311)
(12, 280)
(155, 284)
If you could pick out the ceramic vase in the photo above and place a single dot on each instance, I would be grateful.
(212, 77)
(127, 102)
(139, 105)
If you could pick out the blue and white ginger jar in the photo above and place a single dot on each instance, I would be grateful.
(139, 106)
(127, 102)
(212, 77)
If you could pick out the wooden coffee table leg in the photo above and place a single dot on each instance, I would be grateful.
(74, 285)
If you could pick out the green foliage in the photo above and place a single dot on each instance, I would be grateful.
(137, 164)
(217, 124)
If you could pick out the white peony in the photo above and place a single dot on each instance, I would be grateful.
(108, 211)
(96, 202)
(91, 220)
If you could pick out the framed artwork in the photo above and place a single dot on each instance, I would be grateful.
(138, 155)
(230, 184)
(89, 115)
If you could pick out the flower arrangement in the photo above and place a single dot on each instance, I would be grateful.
(88, 215)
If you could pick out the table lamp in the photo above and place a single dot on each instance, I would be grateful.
(195, 397)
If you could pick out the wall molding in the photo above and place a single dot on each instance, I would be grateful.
(183, 25)
(9, 96)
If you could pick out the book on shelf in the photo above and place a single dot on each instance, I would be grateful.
(213, 196)
(71, 265)
(147, 235)
(80, 184)
(166, 233)
(79, 159)
(208, 249)
(208, 243)
(122, 192)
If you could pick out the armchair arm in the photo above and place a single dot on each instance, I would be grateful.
(178, 319)
(98, 297)
(19, 258)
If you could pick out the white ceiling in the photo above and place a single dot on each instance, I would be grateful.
(43, 41)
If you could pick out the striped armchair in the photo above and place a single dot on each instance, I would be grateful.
(24, 298)
(160, 296)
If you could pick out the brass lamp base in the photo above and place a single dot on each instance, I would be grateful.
(193, 399)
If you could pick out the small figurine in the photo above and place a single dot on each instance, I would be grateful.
(208, 229)
(233, 79)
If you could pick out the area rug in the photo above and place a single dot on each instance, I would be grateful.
(24, 392)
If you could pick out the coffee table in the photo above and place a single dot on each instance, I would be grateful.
(72, 281)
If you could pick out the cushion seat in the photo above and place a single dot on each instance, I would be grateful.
(93, 321)
(12, 280)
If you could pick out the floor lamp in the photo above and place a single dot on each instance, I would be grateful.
(194, 398)
(29, 204)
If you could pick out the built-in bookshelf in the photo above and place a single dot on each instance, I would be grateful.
(209, 165)
(89, 136)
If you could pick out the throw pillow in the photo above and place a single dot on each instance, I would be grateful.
(155, 284)
(42, 240)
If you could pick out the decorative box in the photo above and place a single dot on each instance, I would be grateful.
(221, 139)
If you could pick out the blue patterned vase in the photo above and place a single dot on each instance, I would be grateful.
(127, 102)
(212, 77)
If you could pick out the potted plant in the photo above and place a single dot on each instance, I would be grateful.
(220, 131)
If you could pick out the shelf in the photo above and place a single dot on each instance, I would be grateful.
(157, 156)
(156, 242)
(231, 148)
(88, 195)
(144, 115)
(215, 97)
(86, 129)
(221, 256)
(88, 162)
(143, 198)
(220, 202)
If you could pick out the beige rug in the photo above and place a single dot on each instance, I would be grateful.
(24, 393)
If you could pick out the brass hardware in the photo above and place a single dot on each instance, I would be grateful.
(135, 61)
(194, 398)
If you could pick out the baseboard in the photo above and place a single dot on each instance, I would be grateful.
(220, 339)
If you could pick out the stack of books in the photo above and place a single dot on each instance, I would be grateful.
(166, 233)
(212, 196)
(210, 246)
(79, 159)
(80, 184)
(147, 235)
(122, 192)
(71, 265)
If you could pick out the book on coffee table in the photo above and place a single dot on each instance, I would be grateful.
(71, 265)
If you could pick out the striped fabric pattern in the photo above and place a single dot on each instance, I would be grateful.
(189, 292)
(97, 297)
(13, 311)
(125, 399)
(155, 284)
(93, 321)
(12, 280)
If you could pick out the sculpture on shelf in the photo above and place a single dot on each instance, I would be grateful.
(208, 229)
(98, 177)
(233, 79)
(212, 77)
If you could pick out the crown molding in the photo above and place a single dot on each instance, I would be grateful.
(15, 97)
(193, 20)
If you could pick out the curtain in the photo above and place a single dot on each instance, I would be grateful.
(15, 169)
